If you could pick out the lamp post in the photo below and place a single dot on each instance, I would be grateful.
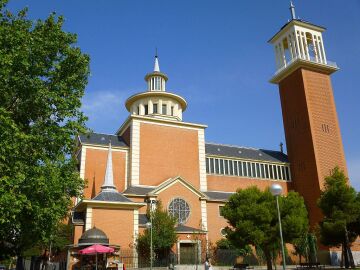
(276, 190)
(149, 225)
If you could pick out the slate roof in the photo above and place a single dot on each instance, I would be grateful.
(218, 196)
(245, 153)
(138, 190)
(110, 196)
(182, 228)
(102, 139)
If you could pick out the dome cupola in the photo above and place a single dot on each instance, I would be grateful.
(156, 102)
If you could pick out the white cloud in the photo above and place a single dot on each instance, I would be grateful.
(354, 172)
(105, 109)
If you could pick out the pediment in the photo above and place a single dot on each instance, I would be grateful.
(173, 181)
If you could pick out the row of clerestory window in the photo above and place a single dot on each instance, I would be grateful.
(155, 109)
(220, 166)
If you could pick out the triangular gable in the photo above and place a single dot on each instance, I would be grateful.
(178, 179)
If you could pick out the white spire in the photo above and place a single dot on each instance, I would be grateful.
(156, 66)
(109, 176)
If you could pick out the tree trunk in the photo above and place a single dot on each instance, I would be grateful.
(345, 254)
(348, 250)
(268, 260)
(19, 263)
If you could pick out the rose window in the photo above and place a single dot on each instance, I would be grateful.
(179, 209)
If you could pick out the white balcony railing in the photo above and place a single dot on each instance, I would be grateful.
(311, 60)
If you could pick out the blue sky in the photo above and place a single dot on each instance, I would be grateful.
(216, 56)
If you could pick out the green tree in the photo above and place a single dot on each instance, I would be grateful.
(42, 80)
(340, 205)
(164, 234)
(252, 217)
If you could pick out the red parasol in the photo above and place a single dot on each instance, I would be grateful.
(94, 249)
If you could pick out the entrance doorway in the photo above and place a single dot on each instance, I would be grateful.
(188, 253)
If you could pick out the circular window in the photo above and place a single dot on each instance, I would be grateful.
(223, 232)
(179, 209)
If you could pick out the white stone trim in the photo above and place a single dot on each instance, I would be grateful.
(106, 147)
(135, 153)
(82, 168)
(204, 215)
(82, 162)
(88, 220)
(126, 170)
(177, 125)
(202, 160)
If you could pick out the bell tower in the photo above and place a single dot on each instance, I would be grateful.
(310, 120)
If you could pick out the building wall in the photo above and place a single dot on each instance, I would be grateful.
(166, 152)
(215, 221)
(117, 224)
(78, 231)
(307, 105)
(232, 183)
(95, 170)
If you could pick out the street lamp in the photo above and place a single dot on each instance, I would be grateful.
(149, 225)
(276, 190)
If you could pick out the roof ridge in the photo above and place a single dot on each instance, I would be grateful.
(101, 134)
(232, 145)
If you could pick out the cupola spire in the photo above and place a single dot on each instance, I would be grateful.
(156, 65)
(292, 10)
(109, 175)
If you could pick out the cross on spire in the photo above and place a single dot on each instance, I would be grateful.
(292, 10)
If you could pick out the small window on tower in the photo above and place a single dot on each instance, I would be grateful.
(155, 108)
(146, 109)
(164, 109)
(172, 110)
(138, 110)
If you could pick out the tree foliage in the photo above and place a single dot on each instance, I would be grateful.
(340, 205)
(164, 234)
(253, 220)
(42, 79)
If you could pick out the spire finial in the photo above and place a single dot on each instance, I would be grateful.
(156, 66)
(292, 10)
(109, 175)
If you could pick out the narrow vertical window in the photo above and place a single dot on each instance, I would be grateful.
(138, 110)
(275, 172)
(262, 170)
(212, 165)
(164, 109)
(245, 170)
(271, 172)
(266, 171)
(221, 166)
(253, 170)
(172, 110)
(155, 108)
(258, 170)
(240, 168)
(217, 171)
(283, 172)
(231, 167)
(236, 168)
(146, 109)
(226, 166)
(207, 165)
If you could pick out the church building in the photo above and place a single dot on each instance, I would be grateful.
(155, 155)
